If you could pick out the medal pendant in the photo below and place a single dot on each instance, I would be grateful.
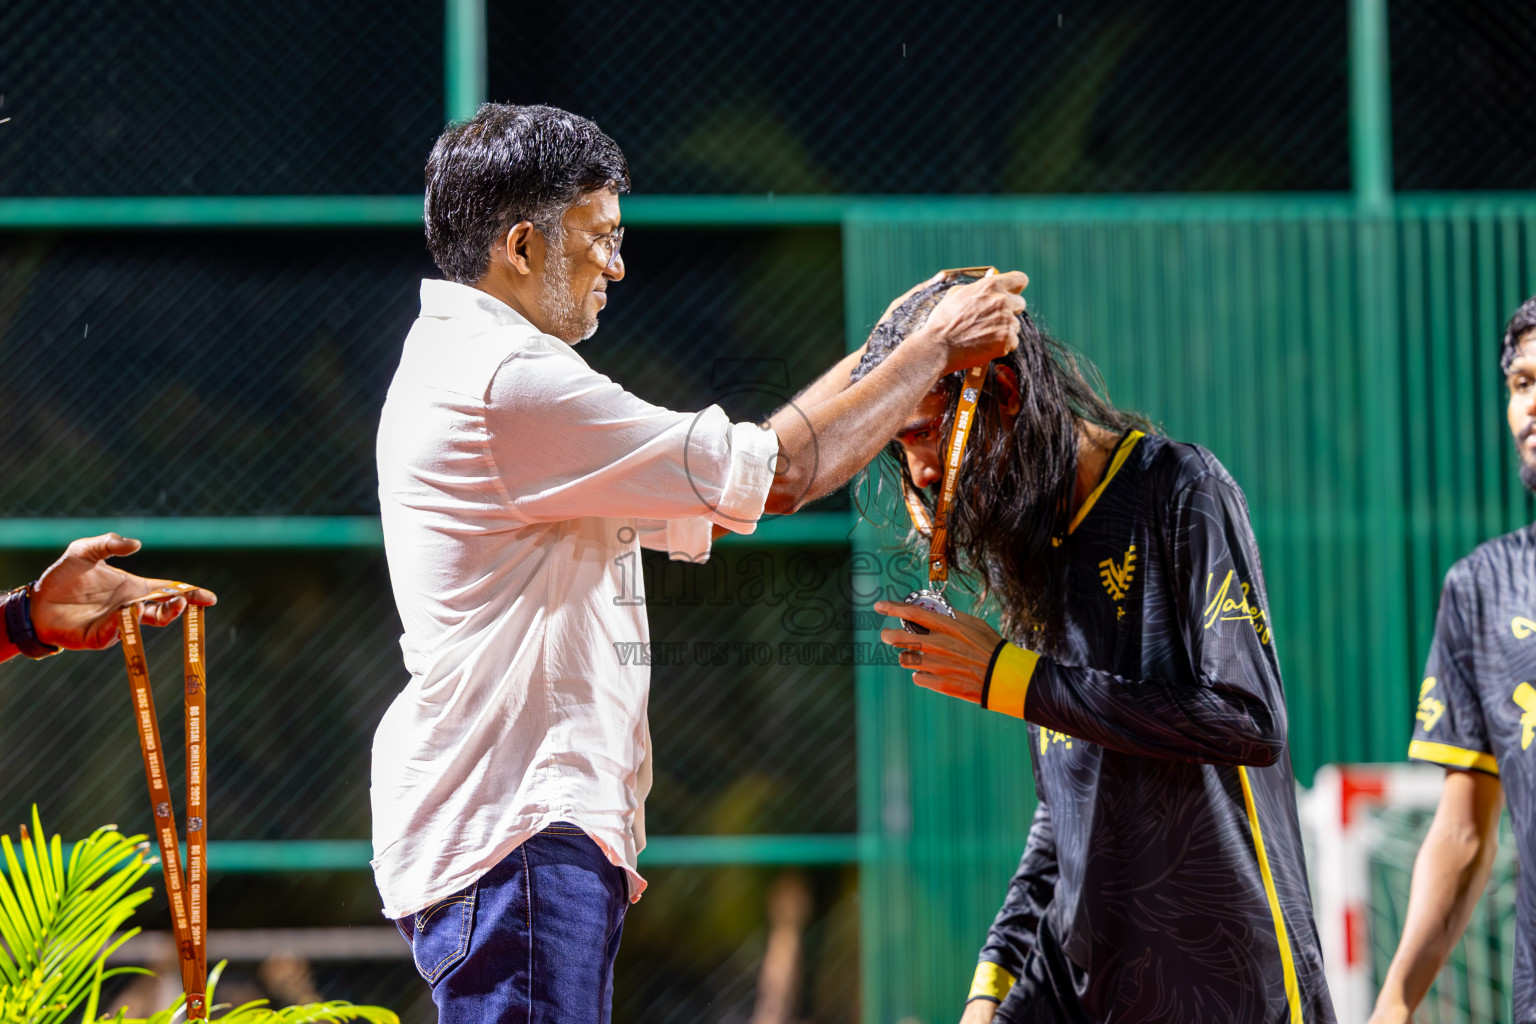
(931, 600)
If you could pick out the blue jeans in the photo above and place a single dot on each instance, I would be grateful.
(532, 942)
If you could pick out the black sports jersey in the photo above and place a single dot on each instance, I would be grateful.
(1163, 879)
(1477, 704)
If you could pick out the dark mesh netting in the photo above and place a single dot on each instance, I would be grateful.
(922, 97)
(157, 98)
(198, 374)
(222, 374)
(1463, 108)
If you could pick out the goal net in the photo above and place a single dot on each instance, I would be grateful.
(1365, 824)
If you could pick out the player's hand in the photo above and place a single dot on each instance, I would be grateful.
(952, 658)
(979, 1011)
(977, 322)
(76, 600)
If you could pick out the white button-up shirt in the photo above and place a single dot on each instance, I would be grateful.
(516, 485)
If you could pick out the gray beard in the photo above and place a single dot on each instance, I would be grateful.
(569, 320)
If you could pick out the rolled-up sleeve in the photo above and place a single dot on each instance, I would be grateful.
(569, 442)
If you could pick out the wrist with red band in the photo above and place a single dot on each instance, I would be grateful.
(18, 624)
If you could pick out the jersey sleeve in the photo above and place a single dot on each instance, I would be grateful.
(1012, 935)
(1231, 708)
(1448, 726)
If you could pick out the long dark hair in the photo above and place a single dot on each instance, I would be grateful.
(1014, 496)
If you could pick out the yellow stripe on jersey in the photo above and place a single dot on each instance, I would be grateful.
(1008, 685)
(990, 982)
(1288, 965)
(1121, 455)
(1453, 757)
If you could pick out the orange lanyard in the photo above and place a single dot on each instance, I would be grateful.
(188, 897)
(954, 451)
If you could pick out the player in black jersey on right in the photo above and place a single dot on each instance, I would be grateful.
(1163, 879)
(1477, 718)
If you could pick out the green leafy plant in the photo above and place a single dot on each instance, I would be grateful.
(60, 922)
(258, 1012)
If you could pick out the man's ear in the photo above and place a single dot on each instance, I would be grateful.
(519, 242)
(1008, 389)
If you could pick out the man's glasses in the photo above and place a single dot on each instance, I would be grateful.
(606, 244)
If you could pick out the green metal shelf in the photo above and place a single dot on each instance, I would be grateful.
(90, 213)
(234, 856)
(237, 532)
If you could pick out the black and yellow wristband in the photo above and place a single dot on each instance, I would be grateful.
(990, 982)
(1007, 682)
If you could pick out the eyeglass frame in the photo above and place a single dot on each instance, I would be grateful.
(616, 235)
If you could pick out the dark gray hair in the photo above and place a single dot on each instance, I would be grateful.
(509, 164)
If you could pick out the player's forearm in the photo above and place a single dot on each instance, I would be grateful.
(821, 446)
(833, 382)
(1449, 876)
(1207, 722)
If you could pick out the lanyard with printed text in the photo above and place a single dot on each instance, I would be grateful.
(188, 897)
(937, 530)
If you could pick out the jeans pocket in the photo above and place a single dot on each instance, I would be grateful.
(440, 934)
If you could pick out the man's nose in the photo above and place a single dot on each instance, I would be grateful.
(615, 269)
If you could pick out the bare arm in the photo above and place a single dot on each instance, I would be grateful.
(822, 444)
(833, 382)
(1448, 877)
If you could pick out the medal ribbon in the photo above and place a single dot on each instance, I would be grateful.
(188, 896)
(954, 451)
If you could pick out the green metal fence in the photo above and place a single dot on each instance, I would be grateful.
(1335, 350)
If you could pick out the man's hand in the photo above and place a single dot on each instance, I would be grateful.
(75, 602)
(976, 322)
(979, 1011)
(1394, 1014)
(952, 658)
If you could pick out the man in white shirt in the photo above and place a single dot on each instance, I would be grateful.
(515, 485)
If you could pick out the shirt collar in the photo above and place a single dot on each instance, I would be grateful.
(454, 301)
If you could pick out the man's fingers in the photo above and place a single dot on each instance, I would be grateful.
(1014, 281)
(180, 594)
(163, 613)
(108, 545)
(202, 597)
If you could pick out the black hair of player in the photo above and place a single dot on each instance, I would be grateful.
(509, 164)
(1522, 323)
(1520, 329)
(1014, 496)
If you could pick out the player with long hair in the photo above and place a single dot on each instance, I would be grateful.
(1163, 878)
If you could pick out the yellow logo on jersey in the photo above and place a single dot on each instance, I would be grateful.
(1049, 736)
(1430, 709)
(1525, 696)
(1522, 627)
(1117, 579)
(1224, 607)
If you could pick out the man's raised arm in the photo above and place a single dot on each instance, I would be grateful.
(823, 442)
